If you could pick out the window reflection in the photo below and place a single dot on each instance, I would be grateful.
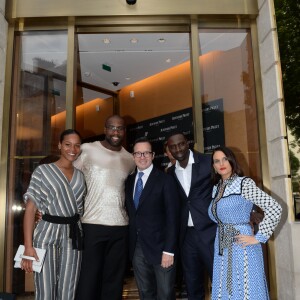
(227, 75)
(38, 96)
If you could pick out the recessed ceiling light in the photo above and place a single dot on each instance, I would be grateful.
(87, 74)
(168, 60)
(134, 41)
(161, 40)
(127, 78)
(106, 41)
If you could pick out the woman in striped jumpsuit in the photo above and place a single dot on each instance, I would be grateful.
(57, 190)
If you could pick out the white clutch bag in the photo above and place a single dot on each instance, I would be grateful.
(36, 265)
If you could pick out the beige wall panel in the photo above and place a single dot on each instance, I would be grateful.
(275, 115)
(260, 3)
(284, 263)
(278, 148)
(267, 22)
(2, 7)
(272, 92)
(269, 53)
(284, 240)
(296, 244)
(34, 8)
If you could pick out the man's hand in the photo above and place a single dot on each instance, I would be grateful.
(37, 216)
(167, 260)
(256, 217)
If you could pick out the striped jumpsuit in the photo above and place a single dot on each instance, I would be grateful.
(53, 194)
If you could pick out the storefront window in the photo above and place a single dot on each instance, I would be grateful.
(146, 77)
(38, 117)
(228, 92)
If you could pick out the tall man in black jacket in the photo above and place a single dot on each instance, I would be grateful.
(197, 231)
(153, 225)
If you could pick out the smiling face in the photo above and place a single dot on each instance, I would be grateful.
(114, 132)
(179, 148)
(222, 165)
(143, 155)
(70, 147)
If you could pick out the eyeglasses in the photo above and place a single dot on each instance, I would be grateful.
(115, 128)
(146, 154)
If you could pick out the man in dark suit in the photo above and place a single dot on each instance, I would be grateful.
(197, 231)
(153, 225)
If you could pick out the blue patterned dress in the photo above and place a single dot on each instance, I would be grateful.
(238, 272)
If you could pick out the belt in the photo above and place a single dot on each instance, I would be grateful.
(227, 233)
(76, 233)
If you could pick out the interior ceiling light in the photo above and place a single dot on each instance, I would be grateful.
(134, 41)
(106, 41)
(87, 74)
(168, 60)
(127, 78)
(161, 40)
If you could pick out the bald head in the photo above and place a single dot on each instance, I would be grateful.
(114, 117)
(114, 131)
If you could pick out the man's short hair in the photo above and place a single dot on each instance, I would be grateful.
(175, 133)
(142, 139)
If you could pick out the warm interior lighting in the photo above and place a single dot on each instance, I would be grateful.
(17, 208)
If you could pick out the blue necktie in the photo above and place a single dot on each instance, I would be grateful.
(138, 190)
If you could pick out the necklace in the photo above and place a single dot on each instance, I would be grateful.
(65, 168)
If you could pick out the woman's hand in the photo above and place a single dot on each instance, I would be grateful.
(28, 226)
(246, 240)
(26, 264)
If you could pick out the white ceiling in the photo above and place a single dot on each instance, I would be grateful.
(129, 62)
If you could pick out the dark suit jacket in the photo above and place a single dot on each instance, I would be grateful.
(198, 200)
(156, 220)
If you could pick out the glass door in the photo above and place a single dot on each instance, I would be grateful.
(37, 118)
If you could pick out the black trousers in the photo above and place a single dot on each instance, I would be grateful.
(104, 262)
(197, 257)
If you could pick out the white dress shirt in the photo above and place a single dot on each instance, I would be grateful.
(184, 176)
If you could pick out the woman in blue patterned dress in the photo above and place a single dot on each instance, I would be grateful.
(238, 272)
(57, 190)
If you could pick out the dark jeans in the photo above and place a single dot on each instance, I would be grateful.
(154, 282)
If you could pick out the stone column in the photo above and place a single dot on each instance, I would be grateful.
(286, 243)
